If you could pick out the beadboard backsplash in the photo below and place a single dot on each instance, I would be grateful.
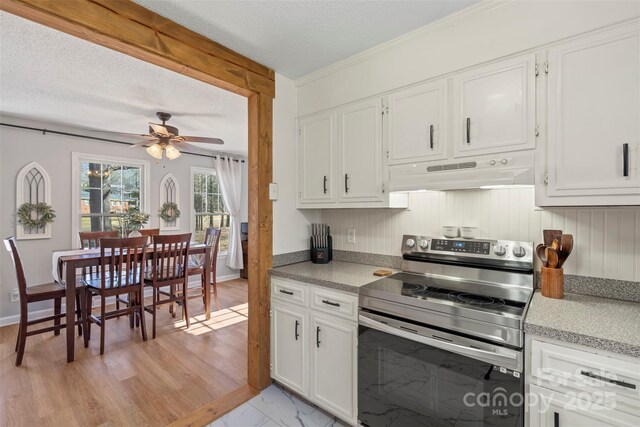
(607, 240)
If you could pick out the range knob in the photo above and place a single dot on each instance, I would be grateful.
(410, 243)
(519, 251)
(423, 244)
(499, 250)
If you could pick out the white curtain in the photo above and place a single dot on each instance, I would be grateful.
(230, 178)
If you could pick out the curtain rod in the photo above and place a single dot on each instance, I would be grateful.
(44, 132)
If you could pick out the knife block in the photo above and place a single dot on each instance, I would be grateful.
(322, 255)
(552, 282)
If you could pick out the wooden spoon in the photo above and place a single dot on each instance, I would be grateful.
(552, 257)
(556, 244)
(566, 246)
(541, 252)
(549, 235)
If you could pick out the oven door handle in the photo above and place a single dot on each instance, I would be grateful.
(511, 361)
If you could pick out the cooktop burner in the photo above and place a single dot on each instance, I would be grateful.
(476, 299)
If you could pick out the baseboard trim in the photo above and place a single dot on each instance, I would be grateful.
(217, 408)
(39, 314)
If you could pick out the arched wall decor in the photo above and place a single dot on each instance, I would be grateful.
(169, 193)
(33, 185)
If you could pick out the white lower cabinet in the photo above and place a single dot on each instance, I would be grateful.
(573, 386)
(333, 365)
(314, 335)
(289, 349)
(553, 409)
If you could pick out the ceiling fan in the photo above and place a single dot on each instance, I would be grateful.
(163, 139)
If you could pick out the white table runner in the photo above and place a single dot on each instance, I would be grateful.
(57, 254)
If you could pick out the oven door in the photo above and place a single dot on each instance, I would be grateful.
(410, 375)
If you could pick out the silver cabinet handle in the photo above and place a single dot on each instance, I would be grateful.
(325, 184)
(468, 130)
(296, 330)
(346, 182)
(282, 291)
(431, 136)
(625, 159)
(318, 336)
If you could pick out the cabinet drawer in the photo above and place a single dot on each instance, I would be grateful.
(289, 291)
(335, 303)
(570, 370)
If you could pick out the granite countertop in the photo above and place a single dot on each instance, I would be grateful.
(601, 323)
(344, 276)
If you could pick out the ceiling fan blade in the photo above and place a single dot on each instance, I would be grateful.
(203, 140)
(159, 130)
(188, 148)
(145, 142)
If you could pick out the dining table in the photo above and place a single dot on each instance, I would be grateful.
(76, 259)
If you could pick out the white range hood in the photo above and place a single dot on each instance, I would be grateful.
(506, 169)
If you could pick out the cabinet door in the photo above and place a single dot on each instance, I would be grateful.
(494, 108)
(416, 123)
(288, 348)
(316, 145)
(360, 151)
(594, 110)
(550, 409)
(333, 365)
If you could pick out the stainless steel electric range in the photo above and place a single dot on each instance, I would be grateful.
(441, 343)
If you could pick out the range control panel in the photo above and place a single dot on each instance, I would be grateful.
(465, 246)
(425, 247)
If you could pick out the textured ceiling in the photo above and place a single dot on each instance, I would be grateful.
(54, 77)
(298, 37)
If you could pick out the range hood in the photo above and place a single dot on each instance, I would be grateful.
(513, 169)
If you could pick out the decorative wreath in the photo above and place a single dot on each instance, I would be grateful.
(169, 212)
(44, 214)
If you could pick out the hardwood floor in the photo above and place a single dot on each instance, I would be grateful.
(152, 383)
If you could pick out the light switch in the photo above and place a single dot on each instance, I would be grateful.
(273, 191)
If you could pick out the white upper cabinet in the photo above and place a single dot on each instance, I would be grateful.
(316, 150)
(594, 120)
(360, 151)
(494, 108)
(417, 130)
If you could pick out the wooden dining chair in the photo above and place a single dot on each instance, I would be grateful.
(29, 294)
(122, 263)
(169, 270)
(91, 239)
(196, 267)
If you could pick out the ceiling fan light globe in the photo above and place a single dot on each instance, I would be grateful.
(172, 152)
(155, 151)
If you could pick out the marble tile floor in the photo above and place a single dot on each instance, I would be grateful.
(276, 406)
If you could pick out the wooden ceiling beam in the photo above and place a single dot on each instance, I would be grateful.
(131, 29)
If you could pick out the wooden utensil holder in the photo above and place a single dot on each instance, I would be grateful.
(552, 282)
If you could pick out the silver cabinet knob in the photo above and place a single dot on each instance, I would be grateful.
(423, 244)
(499, 250)
(519, 251)
(410, 243)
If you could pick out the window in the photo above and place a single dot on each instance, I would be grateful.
(107, 188)
(208, 206)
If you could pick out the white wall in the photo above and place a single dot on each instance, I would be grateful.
(607, 240)
(53, 152)
(290, 226)
(478, 34)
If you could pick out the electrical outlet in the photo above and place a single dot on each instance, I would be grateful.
(351, 235)
(14, 295)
